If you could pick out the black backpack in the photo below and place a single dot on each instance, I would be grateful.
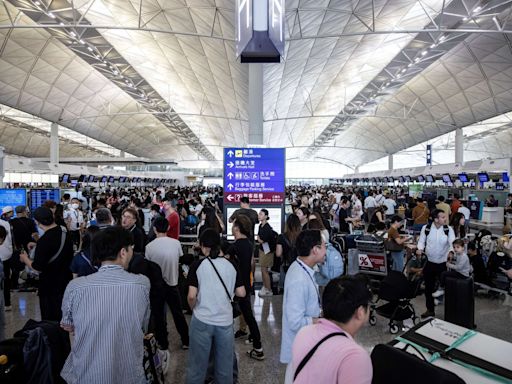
(446, 229)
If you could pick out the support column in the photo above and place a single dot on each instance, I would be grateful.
(255, 103)
(459, 146)
(54, 144)
(2, 172)
(390, 162)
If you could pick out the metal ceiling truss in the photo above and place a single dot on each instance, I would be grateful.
(421, 52)
(41, 132)
(74, 31)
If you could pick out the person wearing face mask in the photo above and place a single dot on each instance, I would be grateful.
(74, 219)
(52, 259)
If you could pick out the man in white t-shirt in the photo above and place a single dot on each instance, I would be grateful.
(74, 219)
(390, 205)
(370, 205)
(166, 252)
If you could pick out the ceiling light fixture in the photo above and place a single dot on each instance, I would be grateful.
(442, 38)
(37, 3)
(72, 34)
(416, 60)
(403, 70)
(424, 53)
(409, 65)
(81, 41)
(51, 15)
(465, 18)
(90, 49)
(477, 9)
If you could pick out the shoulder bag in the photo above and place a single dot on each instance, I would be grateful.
(312, 352)
(234, 304)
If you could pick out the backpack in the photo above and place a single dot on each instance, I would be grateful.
(288, 257)
(273, 241)
(446, 229)
(332, 267)
(192, 220)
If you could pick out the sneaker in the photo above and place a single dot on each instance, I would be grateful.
(165, 358)
(426, 314)
(256, 354)
(437, 302)
(438, 293)
(184, 347)
(8, 308)
(264, 292)
(239, 334)
(249, 340)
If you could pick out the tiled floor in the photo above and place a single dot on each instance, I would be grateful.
(492, 317)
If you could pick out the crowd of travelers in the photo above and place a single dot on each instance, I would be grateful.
(108, 263)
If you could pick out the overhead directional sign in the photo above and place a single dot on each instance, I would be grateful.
(257, 173)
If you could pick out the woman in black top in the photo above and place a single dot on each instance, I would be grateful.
(266, 253)
(457, 223)
(285, 245)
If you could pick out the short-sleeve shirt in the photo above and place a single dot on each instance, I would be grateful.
(166, 252)
(393, 233)
(55, 276)
(82, 263)
(243, 250)
(23, 228)
(174, 226)
(344, 226)
(213, 305)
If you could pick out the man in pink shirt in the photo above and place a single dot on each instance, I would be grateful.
(337, 358)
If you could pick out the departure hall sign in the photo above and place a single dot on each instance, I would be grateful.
(257, 173)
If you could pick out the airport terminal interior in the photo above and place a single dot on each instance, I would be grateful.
(328, 167)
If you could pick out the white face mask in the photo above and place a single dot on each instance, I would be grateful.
(74, 206)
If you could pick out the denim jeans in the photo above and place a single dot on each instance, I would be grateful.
(203, 338)
(398, 261)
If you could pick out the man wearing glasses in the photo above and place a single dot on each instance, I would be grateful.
(301, 299)
(129, 219)
(108, 312)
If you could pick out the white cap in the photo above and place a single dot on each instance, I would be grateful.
(6, 209)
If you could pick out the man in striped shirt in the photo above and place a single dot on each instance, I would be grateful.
(108, 313)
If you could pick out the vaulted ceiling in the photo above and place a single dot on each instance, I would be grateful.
(360, 79)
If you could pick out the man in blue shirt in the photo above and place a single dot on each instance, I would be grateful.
(301, 299)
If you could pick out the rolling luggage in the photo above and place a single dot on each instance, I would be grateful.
(459, 302)
(394, 366)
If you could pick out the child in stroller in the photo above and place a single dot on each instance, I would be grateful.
(398, 292)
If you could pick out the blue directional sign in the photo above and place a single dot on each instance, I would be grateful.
(258, 173)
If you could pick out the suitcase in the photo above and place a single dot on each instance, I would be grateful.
(459, 302)
(394, 366)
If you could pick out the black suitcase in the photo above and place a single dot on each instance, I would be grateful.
(394, 366)
(459, 302)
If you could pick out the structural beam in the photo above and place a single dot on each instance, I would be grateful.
(390, 162)
(255, 104)
(54, 144)
(459, 146)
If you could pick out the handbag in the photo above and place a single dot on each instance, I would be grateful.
(234, 304)
(393, 246)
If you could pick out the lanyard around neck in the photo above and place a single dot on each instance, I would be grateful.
(301, 263)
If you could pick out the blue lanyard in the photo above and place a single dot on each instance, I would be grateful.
(313, 281)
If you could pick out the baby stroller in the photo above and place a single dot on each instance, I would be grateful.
(397, 291)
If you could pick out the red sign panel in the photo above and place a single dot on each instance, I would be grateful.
(372, 263)
(255, 198)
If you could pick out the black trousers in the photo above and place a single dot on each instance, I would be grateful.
(171, 296)
(246, 309)
(431, 273)
(51, 307)
(7, 281)
(75, 238)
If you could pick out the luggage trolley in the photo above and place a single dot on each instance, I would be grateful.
(372, 256)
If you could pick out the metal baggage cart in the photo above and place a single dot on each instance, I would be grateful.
(372, 255)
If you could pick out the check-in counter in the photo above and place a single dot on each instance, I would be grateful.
(493, 215)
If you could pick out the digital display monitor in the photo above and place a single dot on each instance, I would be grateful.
(483, 177)
(39, 196)
(13, 198)
(276, 219)
(82, 178)
(401, 179)
(96, 178)
(463, 178)
(500, 187)
(429, 178)
(447, 178)
(385, 179)
(391, 179)
(122, 179)
(91, 178)
(65, 178)
(127, 179)
(421, 178)
(103, 179)
(408, 179)
(505, 177)
(111, 179)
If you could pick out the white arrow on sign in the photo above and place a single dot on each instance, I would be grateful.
(230, 198)
(230, 175)
(230, 186)
(231, 153)
(230, 164)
